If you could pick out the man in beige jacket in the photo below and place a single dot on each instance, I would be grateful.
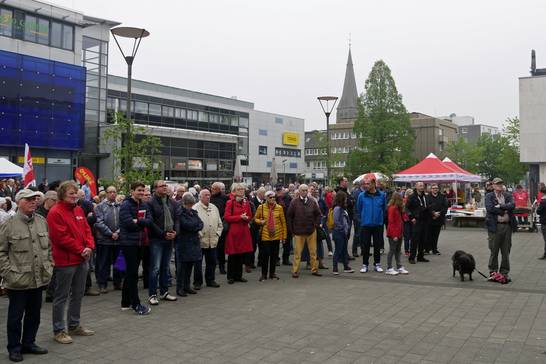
(212, 229)
(26, 266)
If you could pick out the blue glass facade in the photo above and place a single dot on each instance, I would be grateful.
(42, 102)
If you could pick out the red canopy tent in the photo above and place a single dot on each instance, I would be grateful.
(471, 177)
(432, 169)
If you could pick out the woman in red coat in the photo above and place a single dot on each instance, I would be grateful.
(395, 233)
(238, 239)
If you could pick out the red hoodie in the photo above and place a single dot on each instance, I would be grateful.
(395, 227)
(69, 234)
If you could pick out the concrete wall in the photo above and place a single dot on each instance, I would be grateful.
(532, 113)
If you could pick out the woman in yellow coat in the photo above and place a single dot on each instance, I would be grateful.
(270, 217)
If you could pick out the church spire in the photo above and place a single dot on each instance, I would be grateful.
(347, 108)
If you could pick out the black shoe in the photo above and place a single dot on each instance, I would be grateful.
(436, 253)
(190, 291)
(353, 257)
(197, 287)
(231, 281)
(241, 280)
(213, 284)
(117, 287)
(542, 257)
(181, 293)
(316, 274)
(49, 299)
(412, 261)
(322, 266)
(222, 269)
(33, 349)
(423, 260)
(15, 356)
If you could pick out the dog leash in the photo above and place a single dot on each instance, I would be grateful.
(483, 275)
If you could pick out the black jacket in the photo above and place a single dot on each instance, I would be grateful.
(418, 209)
(188, 239)
(350, 202)
(541, 210)
(437, 204)
(491, 203)
(219, 200)
(131, 233)
(155, 212)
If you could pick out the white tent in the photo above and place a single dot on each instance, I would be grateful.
(8, 169)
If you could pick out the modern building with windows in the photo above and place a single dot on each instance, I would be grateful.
(274, 139)
(48, 96)
(472, 132)
(202, 135)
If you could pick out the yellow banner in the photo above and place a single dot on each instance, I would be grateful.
(290, 138)
(35, 160)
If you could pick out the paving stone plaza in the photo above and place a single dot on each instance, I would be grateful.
(425, 317)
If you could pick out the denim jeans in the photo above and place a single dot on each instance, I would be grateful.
(340, 253)
(160, 260)
(210, 266)
(106, 256)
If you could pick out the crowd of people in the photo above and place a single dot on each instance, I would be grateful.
(58, 234)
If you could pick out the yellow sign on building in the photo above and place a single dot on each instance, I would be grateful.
(35, 160)
(290, 138)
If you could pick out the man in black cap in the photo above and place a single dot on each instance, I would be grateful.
(500, 223)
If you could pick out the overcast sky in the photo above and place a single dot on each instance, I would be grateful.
(460, 57)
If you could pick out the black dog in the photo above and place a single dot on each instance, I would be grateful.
(463, 263)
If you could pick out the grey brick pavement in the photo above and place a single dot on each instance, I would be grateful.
(426, 317)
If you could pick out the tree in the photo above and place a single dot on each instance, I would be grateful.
(385, 137)
(465, 154)
(136, 153)
(500, 158)
(510, 129)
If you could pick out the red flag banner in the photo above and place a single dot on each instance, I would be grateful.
(83, 174)
(28, 170)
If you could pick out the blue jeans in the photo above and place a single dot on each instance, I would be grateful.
(160, 260)
(340, 253)
(210, 266)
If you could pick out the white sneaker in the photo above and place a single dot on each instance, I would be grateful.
(348, 270)
(364, 269)
(378, 268)
(330, 254)
(153, 300)
(336, 273)
(402, 270)
(391, 272)
(168, 297)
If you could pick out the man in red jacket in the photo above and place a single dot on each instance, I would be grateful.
(72, 245)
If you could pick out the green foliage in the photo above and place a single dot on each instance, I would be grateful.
(385, 136)
(136, 154)
(491, 156)
(510, 129)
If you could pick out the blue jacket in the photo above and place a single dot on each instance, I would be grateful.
(187, 241)
(493, 211)
(371, 208)
(131, 233)
(355, 193)
(341, 220)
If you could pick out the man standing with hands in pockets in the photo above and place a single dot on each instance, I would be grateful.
(72, 245)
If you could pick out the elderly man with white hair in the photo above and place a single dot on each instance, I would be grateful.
(209, 236)
(303, 218)
(3, 213)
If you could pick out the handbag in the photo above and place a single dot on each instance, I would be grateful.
(120, 264)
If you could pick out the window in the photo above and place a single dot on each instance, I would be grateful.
(287, 152)
(440, 131)
(141, 107)
(262, 150)
(308, 164)
(43, 31)
(56, 34)
(30, 28)
(155, 109)
(180, 113)
(68, 35)
(293, 165)
(167, 111)
(464, 130)
(353, 135)
(243, 122)
(279, 120)
(192, 115)
(6, 22)
(269, 164)
(262, 132)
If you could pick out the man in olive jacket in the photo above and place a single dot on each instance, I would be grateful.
(26, 265)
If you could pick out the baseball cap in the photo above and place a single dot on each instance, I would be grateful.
(27, 193)
(497, 181)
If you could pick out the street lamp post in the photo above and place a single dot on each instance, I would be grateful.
(136, 34)
(327, 103)
(284, 171)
